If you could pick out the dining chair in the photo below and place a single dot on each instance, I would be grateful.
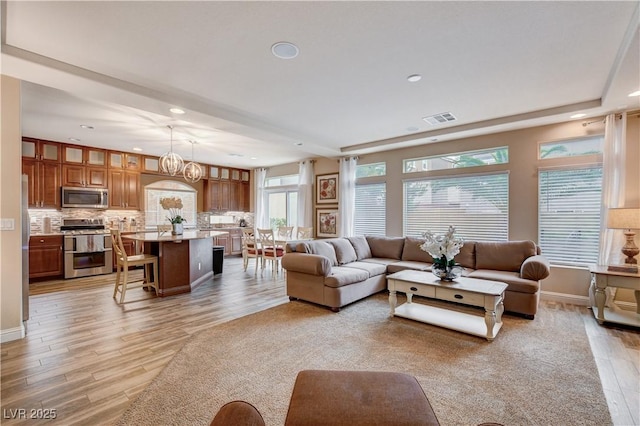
(163, 229)
(270, 251)
(304, 233)
(285, 233)
(124, 261)
(250, 248)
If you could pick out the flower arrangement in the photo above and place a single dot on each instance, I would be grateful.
(174, 205)
(443, 248)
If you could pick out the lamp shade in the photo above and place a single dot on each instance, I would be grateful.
(624, 218)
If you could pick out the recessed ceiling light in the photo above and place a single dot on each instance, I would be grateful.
(297, 143)
(285, 50)
(176, 110)
(136, 149)
(235, 155)
(580, 115)
(636, 93)
(414, 77)
(86, 126)
(254, 158)
(74, 139)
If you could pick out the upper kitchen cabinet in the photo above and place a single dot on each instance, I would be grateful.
(40, 150)
(150, 164)
(122, 160)
(44, 183)
(84, 166)
(124, 189)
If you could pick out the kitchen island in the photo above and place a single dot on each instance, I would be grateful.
(184, 261)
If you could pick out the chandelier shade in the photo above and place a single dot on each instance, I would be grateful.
(170, 162)
(192, 172)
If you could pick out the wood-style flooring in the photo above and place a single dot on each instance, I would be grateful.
(87, 358)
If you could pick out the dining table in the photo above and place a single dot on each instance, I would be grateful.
(185, 261)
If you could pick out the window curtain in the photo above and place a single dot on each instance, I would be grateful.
(261, 219)
(347, 196)
(305, 193)
(613, 160)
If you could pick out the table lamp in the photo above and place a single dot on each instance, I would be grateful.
(627, 219)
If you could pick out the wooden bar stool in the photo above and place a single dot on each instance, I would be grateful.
(123, 262)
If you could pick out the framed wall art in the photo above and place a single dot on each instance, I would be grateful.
(327, 223)
(327, 189)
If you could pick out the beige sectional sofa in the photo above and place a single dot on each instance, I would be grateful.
(338, 271)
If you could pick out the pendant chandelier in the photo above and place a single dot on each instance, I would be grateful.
(192, 171)
(170, 162)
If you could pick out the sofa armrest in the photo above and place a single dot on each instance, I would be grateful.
(312, 264)
(535, 268)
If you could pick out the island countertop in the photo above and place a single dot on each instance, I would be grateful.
(167, 236)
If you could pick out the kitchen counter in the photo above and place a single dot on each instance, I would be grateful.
(184, 261)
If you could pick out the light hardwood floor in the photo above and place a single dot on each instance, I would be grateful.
(88, 358)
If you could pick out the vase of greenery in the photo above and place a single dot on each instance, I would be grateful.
(443, 249)
(174, 205)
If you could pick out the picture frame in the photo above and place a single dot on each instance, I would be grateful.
(327, 187)
(327, 222)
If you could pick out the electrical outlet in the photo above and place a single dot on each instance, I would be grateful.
(7, 224)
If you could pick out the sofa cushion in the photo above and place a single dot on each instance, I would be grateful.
(361, 246)
(341, 276)
(386, 247)
(407, 264)
(467, 255)
(372, 268)
(512, 279)
(319, 247)
(345, 253)
(504, 255)
(413, 252)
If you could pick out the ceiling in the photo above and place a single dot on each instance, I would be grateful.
(495, 66)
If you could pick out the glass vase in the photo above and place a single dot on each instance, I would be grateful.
(176, 228)
(445, 272)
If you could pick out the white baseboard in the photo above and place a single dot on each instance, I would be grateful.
(573, 299)
(10, 334)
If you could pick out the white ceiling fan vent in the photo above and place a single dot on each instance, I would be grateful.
(443, 117)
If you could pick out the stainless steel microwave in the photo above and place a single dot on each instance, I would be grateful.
(87, 198)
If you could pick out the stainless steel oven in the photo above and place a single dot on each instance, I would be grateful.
(87, 248)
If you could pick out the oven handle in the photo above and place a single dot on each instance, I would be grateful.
(83, 252)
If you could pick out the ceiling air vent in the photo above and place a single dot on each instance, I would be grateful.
(443, 117)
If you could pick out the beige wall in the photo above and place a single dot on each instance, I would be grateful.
(11, 326)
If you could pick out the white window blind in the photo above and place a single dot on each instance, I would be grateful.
(477, 205)
(569, 214)
(371, 206)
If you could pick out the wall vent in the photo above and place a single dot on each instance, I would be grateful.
(443, 117)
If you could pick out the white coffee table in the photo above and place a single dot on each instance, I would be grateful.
(470, 291)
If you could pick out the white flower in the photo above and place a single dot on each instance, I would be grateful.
(442, 247)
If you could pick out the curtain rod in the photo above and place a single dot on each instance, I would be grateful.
(631, 114)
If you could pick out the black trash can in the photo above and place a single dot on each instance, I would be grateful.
(218, 257)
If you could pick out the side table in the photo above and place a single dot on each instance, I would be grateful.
(601, 278)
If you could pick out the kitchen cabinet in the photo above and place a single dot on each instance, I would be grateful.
(232, 241)
(216, 194)
(245, 197)
(124, 189)
(36, 149)
(84, 166)
(151, 165)
(46, 258)
(44, 183)
(123, 160)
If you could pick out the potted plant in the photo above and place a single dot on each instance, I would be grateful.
(174, 206)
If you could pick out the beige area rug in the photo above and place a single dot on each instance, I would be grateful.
(539, 372)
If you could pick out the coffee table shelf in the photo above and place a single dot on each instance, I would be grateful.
(474, 292)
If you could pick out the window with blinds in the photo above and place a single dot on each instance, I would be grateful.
(476, 205)
(371, 207)
(569, 214)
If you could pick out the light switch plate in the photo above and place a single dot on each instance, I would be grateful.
(7, 224)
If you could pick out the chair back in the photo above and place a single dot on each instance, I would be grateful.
(267, 241)
(118, 246)
(285, 232)
(304, 233)
(163, 228)
(249, 239)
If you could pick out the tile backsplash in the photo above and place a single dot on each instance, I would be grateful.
(133, 220)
